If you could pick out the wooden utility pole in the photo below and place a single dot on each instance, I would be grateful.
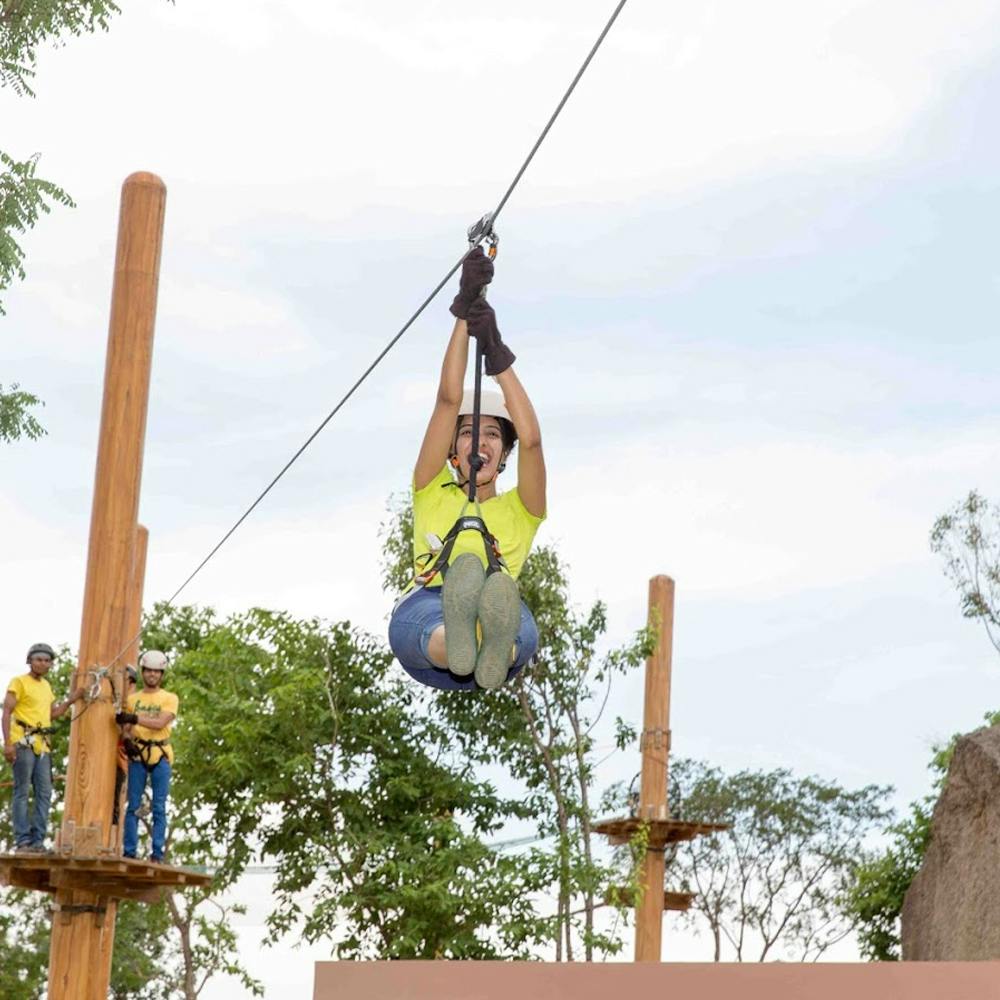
(650, 818)
(83, 922)
(654, 745)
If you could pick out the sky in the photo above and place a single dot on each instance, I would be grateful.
(750, 279)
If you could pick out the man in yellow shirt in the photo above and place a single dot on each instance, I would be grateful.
(146, 727)
(28, 711)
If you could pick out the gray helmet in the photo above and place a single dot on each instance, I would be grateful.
(133, 674)
(40, 647)
(153, 659)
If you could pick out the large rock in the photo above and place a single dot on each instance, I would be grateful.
(952, 909)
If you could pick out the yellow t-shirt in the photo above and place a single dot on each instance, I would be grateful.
(34, 708)
(156, 702)
(437, 507)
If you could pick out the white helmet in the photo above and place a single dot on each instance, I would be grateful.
(153, 659)
(491, 404)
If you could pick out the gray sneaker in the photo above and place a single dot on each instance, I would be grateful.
(462, 585)
(500, 617)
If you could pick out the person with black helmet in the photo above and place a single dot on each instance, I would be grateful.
(146, 723)
(473, 630)
(28, 710)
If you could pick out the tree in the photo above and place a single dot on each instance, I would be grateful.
(16, 420)
(540, 727)
(968, 538)
(23, 199)
(771, 884)
(28, 26)
(874, 897)
(300, 745)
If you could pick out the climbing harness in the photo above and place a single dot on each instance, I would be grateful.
(28, 734)
(141, 750)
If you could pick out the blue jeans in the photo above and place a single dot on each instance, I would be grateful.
(31, 771)
(159, 777)
(414, 619)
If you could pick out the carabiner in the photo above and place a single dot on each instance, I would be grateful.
(483, 230)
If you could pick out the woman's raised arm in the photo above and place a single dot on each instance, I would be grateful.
(530, 459)
(441, 430)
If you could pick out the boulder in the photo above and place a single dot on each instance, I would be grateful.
(952, 909)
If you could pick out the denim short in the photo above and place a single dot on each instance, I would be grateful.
(415, 617)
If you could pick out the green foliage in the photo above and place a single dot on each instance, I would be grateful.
(142, 953)
(23, 197)
(26, 25)
(873, 900)
(297, 741)
(968, 538)
(15, 419)
(24, 942)
(773, 881)
(397, 545)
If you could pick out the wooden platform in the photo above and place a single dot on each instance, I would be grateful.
(661, 831)
(706, 981)
(113, 877)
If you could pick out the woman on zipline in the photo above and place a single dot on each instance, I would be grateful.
(472, 629)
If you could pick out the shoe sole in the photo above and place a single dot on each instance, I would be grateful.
(500, 618)
(462, 586)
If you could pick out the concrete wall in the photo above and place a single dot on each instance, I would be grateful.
(625, 981)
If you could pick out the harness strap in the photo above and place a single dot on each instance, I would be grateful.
(494, 559)
(35, 730)
(29, 732)
(144, 750)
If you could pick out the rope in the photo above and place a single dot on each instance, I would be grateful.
(392, 343)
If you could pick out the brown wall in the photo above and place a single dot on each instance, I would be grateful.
(648, 981)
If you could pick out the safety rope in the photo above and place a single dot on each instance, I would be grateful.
(423, 305)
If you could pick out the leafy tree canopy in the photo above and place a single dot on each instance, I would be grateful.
(301, 743)
(26, 25)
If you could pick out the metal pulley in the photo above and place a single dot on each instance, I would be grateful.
(483, 230)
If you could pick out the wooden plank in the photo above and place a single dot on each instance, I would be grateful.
(703, 980)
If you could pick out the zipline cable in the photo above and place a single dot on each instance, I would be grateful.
(392, 343)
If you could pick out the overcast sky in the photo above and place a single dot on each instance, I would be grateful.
(750, 278)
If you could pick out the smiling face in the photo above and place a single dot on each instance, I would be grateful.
(151, 678)
(491, 447)
(40, 664)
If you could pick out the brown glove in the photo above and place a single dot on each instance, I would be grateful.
(477, 273)
(483, 326)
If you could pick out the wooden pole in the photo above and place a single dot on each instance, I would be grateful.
(655, 747)
(133, 622)
(80, 950)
